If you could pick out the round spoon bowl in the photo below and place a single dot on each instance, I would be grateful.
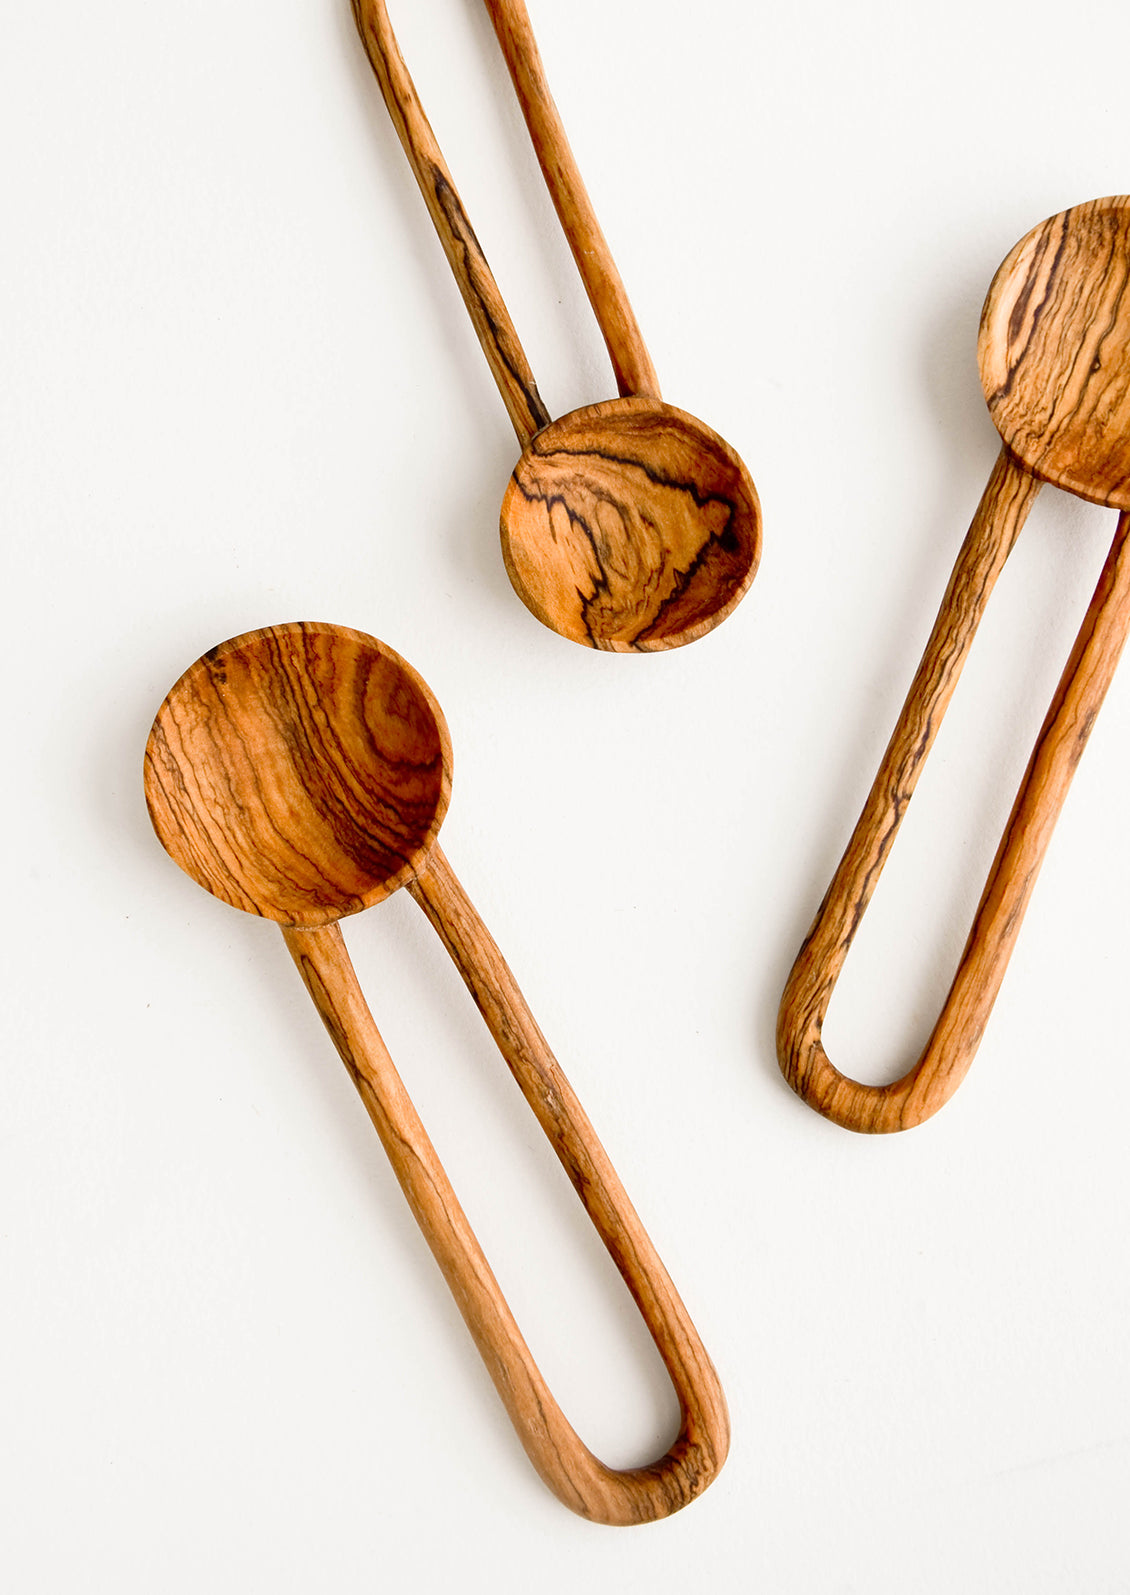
(1054, 351)
(630, 526)
(300, 772)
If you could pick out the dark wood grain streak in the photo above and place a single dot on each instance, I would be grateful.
(1055, 366)
(300, 773)
(505, 355)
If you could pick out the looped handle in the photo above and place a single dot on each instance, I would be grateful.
(1083, 685)
(568, 1467)
(500, 343)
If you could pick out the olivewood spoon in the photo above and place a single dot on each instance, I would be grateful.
(301, 773)
(627, 525)
(1054, 354)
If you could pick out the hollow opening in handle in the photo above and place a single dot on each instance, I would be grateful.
(576, 1476)
(953, 1043)
(909, 943)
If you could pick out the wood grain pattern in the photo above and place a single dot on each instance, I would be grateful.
(630, 526)
(1060, 308)
(301, 773)
(335, 765)
(1055, 363)
(607, 544)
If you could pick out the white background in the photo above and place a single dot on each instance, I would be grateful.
(239, 387)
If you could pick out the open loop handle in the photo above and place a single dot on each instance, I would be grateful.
(500, 343)
(566, 1465)
(1083, 685)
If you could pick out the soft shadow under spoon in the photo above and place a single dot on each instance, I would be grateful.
(301, 773)
(627, 525)
(1054, 353)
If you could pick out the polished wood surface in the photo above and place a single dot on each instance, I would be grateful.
(1054, 351)
(629, 524)
(1054, 354)
(301, 773)
(655, 569)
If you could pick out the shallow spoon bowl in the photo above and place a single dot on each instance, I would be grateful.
(301, 773)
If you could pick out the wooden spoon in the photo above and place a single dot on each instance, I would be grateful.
(301, 773)
(1054, 354)
(627, 525)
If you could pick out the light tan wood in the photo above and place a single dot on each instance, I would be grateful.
(584, 548)
(1054, 353)
(301, 773)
